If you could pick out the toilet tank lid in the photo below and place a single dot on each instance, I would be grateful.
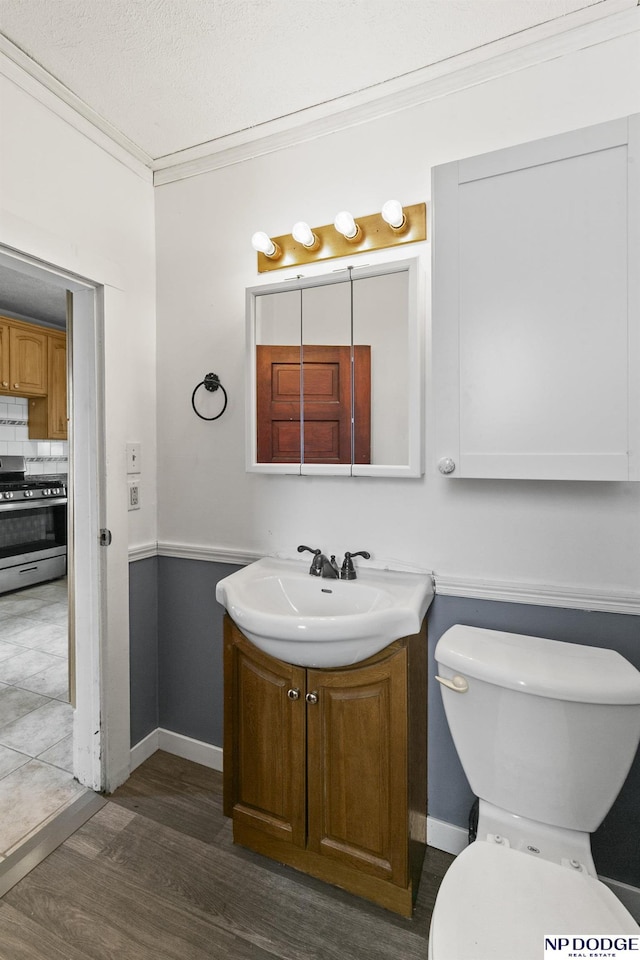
(535, 665)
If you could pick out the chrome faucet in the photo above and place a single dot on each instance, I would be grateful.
(329, 568)
(321, 566)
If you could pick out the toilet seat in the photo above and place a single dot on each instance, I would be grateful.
(496, 903)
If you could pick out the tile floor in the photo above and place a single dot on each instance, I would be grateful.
(36, 766)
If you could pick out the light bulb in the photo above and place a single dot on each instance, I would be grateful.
(346, 225)
(303, 233)
(263, 243)
(393, 214)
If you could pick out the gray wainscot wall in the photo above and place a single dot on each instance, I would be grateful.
(176, 680)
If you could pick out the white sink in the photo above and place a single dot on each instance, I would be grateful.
(316, 622)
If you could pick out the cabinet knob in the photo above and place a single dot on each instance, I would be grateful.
(446, 465)
(15, 386)
(293, 694)
(5, 383)
(312, 697)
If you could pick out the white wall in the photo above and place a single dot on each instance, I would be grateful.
(67, 202)
(549, 533)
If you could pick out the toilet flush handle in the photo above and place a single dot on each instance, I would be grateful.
(457, 684)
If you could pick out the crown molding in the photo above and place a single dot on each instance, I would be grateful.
(583, 28)
(43, 87)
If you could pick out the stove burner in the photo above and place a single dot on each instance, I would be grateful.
(14, 485)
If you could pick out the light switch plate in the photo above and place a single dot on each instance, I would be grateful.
(133, 458)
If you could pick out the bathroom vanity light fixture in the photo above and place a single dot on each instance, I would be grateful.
(346, 225)
(342, 238)
(302, 233)
(263, 243)
(393, 214)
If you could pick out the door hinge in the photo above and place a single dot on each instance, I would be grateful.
(105, 537)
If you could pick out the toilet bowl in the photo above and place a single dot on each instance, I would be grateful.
(546, 732)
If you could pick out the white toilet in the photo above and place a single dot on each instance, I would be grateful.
(546, 733)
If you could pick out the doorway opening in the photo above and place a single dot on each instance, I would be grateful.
(51, 734)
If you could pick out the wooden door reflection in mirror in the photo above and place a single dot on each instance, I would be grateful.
(318, 429)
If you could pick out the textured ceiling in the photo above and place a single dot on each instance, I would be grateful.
(31, 298)
(172, 74)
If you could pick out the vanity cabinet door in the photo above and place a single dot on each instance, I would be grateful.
(536, 309)
(357, 766)
(265, 733)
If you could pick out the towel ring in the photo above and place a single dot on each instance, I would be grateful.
(211, 383)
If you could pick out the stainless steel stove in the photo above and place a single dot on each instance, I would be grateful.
(33, 525)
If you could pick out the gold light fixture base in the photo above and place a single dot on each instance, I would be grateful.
(374, 234)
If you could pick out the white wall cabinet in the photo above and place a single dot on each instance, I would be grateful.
(536, 309)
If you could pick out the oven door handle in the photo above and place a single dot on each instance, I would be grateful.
(32, 504)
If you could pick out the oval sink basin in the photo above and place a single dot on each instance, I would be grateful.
(316, 622)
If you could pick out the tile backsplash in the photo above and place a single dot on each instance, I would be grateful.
(41, 456)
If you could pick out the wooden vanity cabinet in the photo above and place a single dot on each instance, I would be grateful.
(325, 770)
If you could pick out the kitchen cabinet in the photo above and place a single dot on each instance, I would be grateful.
(325, 770)
(48, 415)
(4, 356)
(23, 358)
(536, 309)
(33, 364)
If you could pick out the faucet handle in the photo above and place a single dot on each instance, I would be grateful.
(302, 548)
(316, 564)
(348, 571)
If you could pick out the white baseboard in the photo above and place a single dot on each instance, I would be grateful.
(180, 746)
(446, 836)
(187, 748)
(144, 749)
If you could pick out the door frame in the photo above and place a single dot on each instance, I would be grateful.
(87, 565)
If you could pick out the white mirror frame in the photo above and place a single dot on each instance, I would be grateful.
(415, 386)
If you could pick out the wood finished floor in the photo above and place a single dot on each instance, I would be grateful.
(154, 875)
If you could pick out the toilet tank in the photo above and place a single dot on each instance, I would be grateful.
(545, 730)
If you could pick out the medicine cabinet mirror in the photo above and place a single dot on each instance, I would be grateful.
(335, 373)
